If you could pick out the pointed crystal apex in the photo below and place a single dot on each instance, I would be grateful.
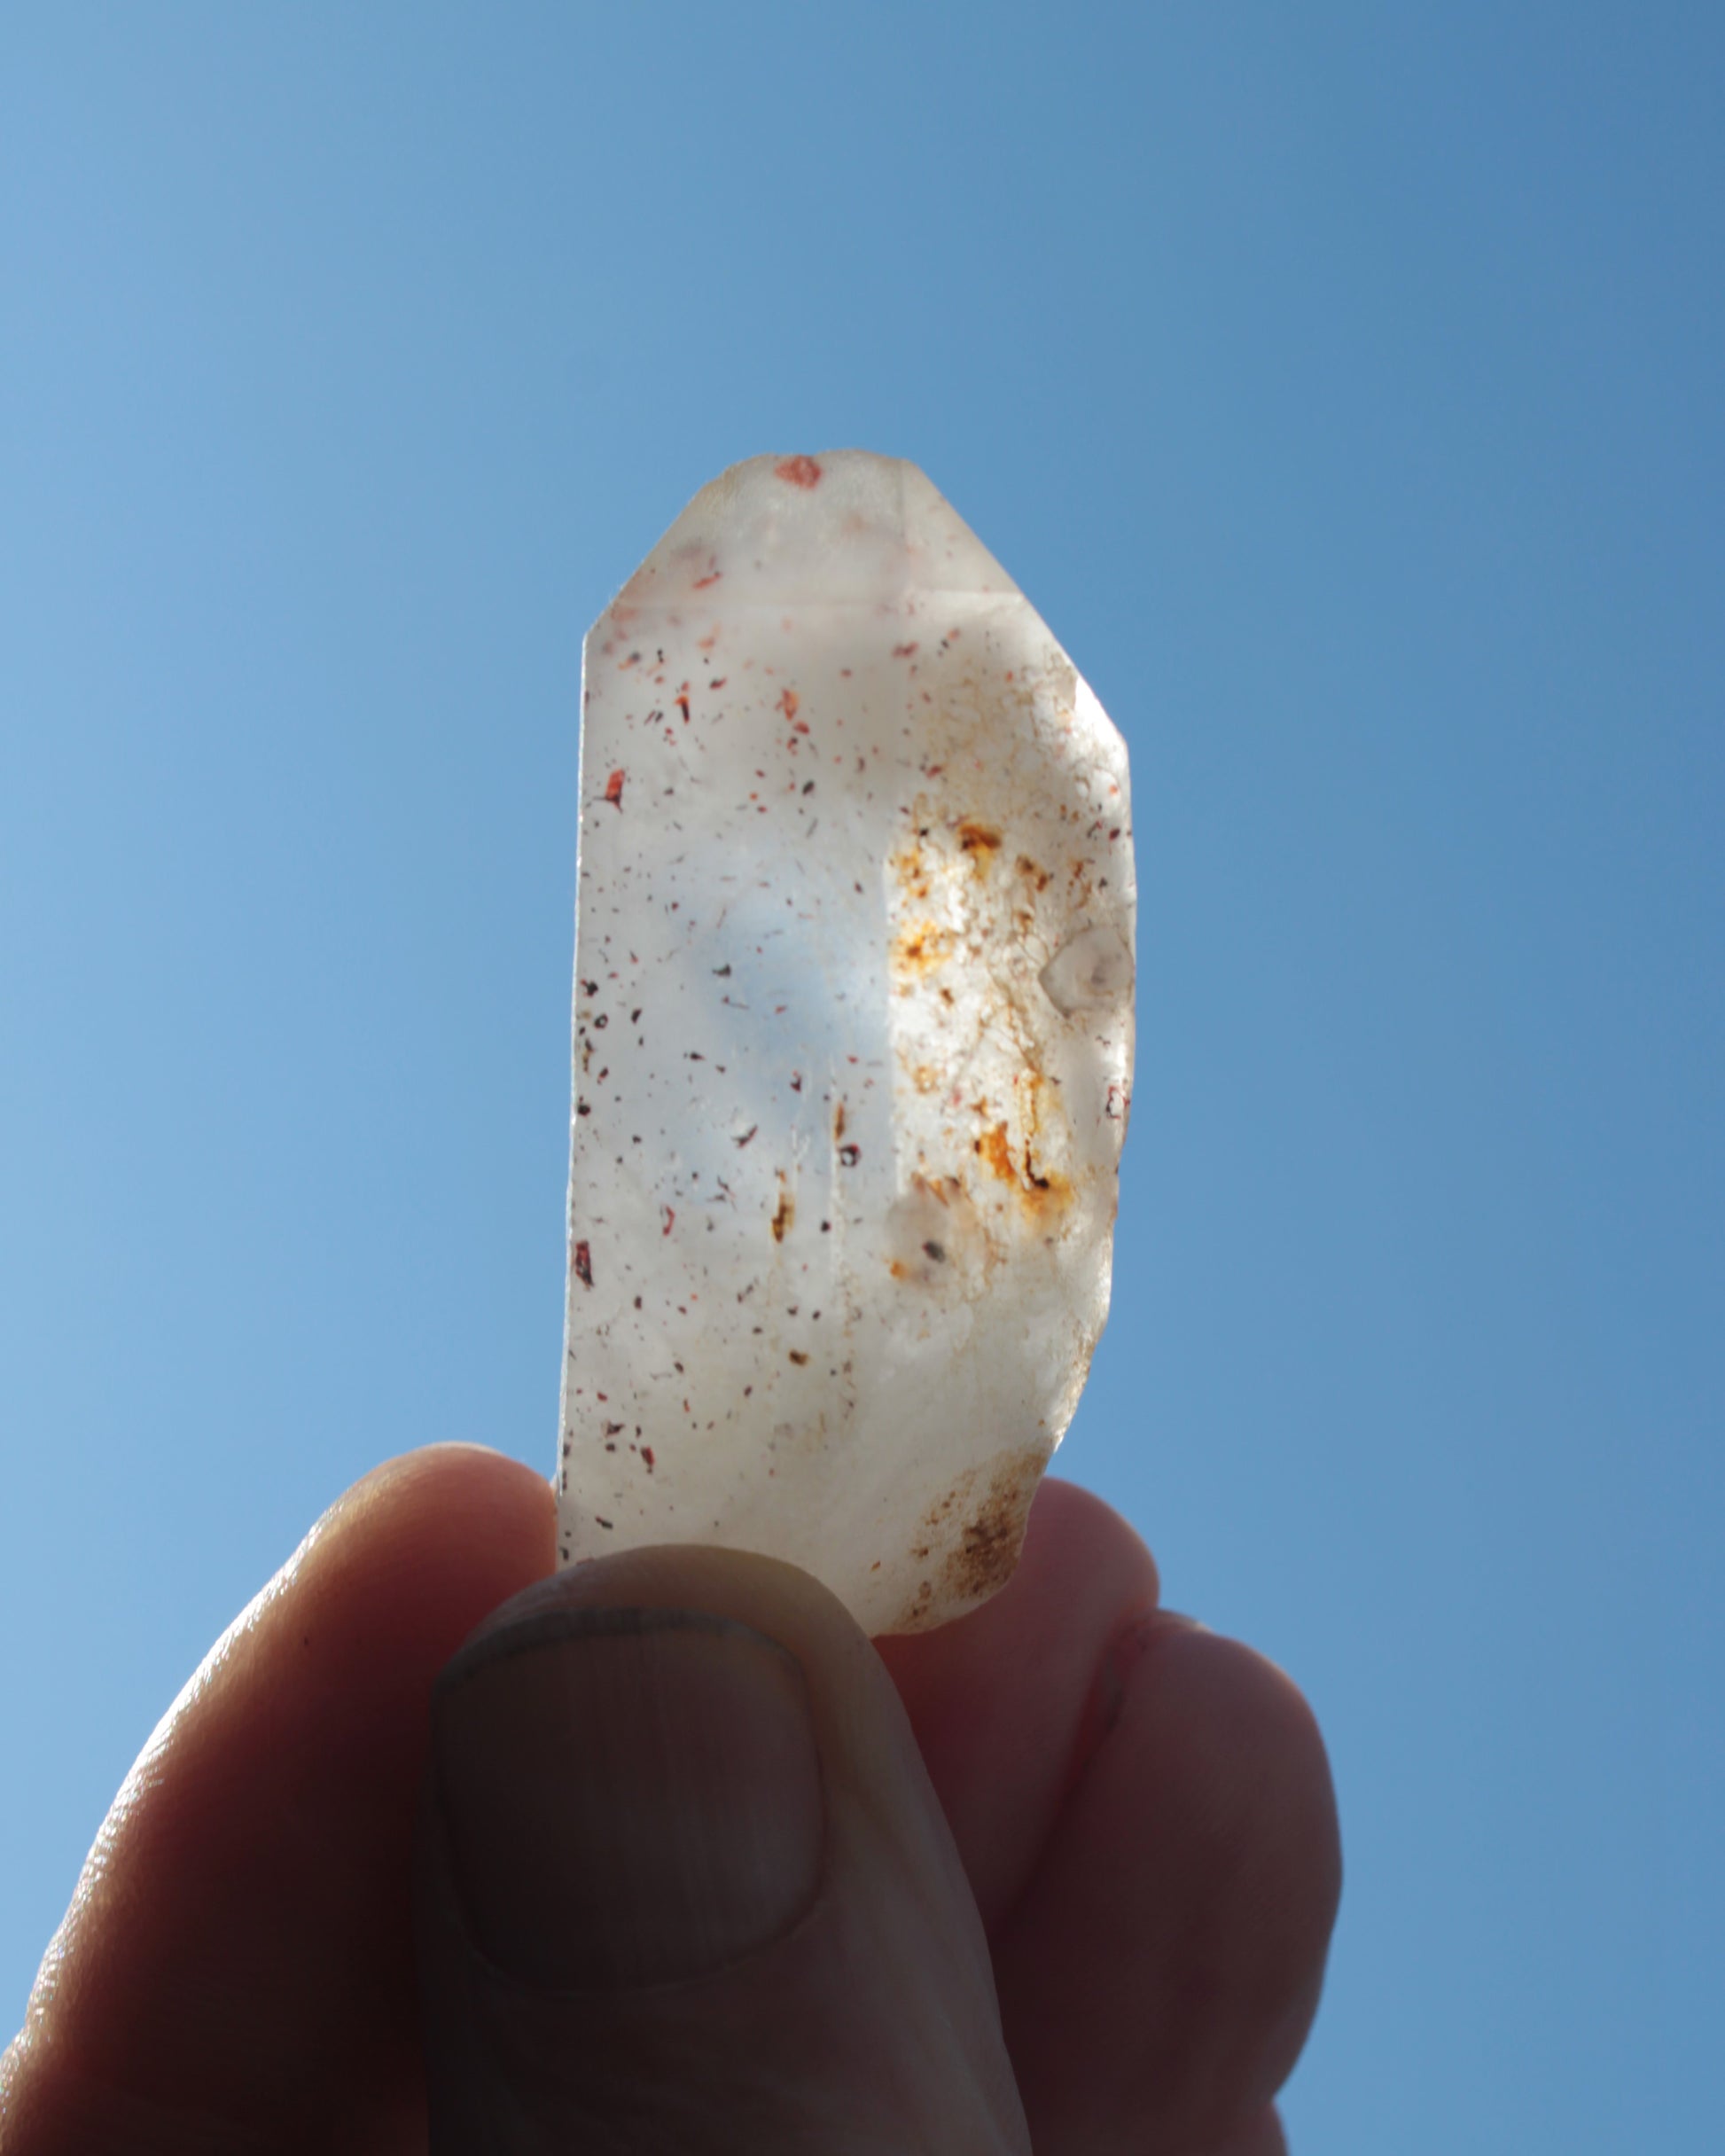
(846, 527)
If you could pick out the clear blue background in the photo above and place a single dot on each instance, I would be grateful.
(1344, 382)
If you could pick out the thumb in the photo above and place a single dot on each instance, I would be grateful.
(682, 1883)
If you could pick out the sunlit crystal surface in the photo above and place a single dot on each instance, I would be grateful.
(852, 1043)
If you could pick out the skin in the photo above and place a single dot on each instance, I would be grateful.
(1125, 1823)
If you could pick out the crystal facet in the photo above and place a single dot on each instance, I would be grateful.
(853, 1039)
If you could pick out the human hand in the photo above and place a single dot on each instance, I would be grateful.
(695, 1868)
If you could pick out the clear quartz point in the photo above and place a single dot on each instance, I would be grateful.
(852, 1043)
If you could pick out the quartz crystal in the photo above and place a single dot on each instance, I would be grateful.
(852, 1043)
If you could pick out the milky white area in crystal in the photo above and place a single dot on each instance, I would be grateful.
(852, 1043)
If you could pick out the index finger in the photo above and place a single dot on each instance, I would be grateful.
(235, 1970)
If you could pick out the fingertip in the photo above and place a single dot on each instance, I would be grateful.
(1072, 1528)
(1253, 1797)
(491, 1490)
(1261, 2135)
(427, 1540)
(1257, 1767)
(1164, 1968)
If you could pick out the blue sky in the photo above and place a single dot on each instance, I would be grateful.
(1343, 384)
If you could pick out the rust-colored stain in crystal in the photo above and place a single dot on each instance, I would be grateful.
(993, 1533)
(1044, 1194)
(582, 1264)
(799, 472)
(1047, 1195)
(980, 843)
(614, 789)
(995, 1154)
(1038, 878)
(838, 1122)
(911, 869)
(918, 949)
(788, 703)
(785, 1217)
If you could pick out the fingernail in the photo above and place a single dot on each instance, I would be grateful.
(629, 1796)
